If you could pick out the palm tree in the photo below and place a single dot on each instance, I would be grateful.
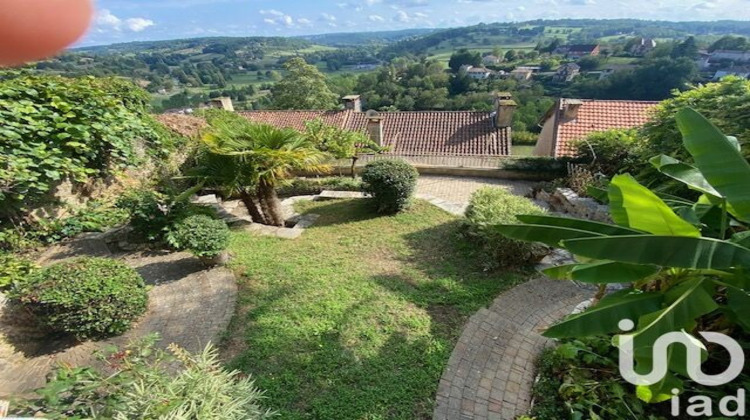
(250, 160)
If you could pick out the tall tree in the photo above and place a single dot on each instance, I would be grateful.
(464, 57)
(303, 87)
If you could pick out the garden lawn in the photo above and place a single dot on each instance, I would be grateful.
(358, 317)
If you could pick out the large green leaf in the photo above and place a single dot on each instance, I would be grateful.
(548, 235)
(739, 303)
(718, 159)
(687, 174)
(686, 302)
(605, 317)
(742, 239)
(635, 206)
(603, 272)
(579, 224)
(665, 251)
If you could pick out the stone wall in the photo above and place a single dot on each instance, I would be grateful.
(566, 201)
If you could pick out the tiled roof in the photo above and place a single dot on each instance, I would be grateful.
(596, 116)
(419, 133)
(296, 119)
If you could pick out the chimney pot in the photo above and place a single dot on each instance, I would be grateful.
(570, 109)
(504, 110)
(353, 102)
(375, 127)
(224, 103)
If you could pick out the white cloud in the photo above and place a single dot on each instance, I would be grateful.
(106, 19)
(376, 18)
(138, 24)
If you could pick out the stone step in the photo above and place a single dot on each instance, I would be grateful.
(339, 195)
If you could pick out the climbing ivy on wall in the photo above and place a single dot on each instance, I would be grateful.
(54, 128)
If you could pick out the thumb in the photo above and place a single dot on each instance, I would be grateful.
(35, 29)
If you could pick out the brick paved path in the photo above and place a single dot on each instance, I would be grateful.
(188, 305)
(492, 368)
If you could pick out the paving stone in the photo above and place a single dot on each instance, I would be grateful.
(502, 343)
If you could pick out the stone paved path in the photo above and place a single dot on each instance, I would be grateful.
(458, 189)
(492, 368)
(188, 305)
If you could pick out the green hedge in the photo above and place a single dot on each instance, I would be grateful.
(86, 297)
(492, 206)
(391, 183)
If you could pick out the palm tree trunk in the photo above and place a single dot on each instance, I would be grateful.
(252, 208)
(354, 164)
(273, 209)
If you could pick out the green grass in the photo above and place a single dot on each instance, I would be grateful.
(523, 150)
(358, 317)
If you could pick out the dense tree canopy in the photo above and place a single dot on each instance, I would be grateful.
(303, 87)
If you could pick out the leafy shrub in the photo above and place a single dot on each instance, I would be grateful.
(580, 379)
(94, 217)
(201, 235)
(312, 186)
(611, 152)
(391, 182)
(493, 206)
(148, 383)
(14, 269)
(546, 166)
(525, 138)
(57, 128)
(87, 297)
(152, 213)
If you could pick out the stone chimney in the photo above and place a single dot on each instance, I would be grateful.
(353, 102)
(570, 109)
(224, 103)
(375, 127)
(505, 107)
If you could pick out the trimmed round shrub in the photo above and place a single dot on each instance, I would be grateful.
(202, 235)
(86, 297)
(391, 184)
(492, 206)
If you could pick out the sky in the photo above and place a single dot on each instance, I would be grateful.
(140, 20)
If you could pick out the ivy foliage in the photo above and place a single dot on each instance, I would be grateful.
(55, 128)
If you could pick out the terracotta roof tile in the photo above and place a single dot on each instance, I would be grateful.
(420, 133)
(596, 116)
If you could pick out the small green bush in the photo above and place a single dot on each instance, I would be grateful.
(152, 212)
(86, 297)
(611, 152)
(201, 235)
(148, 383)
(14, 269)
(391, 183)
(313, 186)
(525, 138)
(491, 206)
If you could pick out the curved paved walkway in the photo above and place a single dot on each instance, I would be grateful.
(492, 369)
(188, 305)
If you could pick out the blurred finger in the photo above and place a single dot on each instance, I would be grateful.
(35, 29)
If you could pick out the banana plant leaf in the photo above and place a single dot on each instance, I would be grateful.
(687, 174)
(548, 235)
(603, 272)
(664, 251)
(718, 160)
(742, 239)
(579, 224)
(635, 206)
(605, 317)
(739, 304)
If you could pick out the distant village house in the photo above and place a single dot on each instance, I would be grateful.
(567, 72)
(574, 52)
(643, 47)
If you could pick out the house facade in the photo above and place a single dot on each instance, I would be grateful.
(643, 47)
(572, 120)
(567, 72)
(574, 52)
